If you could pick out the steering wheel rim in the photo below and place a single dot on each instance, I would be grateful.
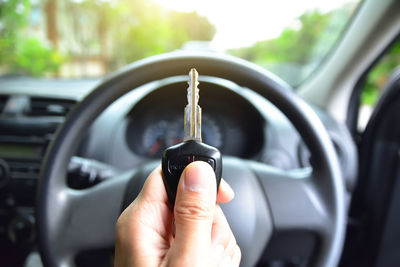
(54, 194)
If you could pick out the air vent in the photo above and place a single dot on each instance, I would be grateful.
(49, 107)
(27, 170)
(3, 101)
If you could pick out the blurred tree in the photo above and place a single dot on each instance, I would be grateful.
(197, 27)
(304, 43)
(309, 42)
(379, 75)
(51, 22)
(127, 30)
(32, 58)
(112, 32)
(13, 16)
(18, 52)
(142, 28)
(293, 45)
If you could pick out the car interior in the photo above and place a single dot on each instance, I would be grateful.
(307, 124)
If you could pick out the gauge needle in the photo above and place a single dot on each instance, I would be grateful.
(155, 148)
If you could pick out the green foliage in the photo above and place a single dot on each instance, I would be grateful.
(152, 31)
(33, 58)
(293, 45)
(117, 32)
(379, 75)
(29, 57)
(13, 16)
(17, 52)
(133, 29)
(297, 47)
(148, 34)
(195, 26)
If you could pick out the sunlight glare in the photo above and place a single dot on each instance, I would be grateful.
(242, 23)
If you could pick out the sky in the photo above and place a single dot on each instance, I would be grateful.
(242, 23)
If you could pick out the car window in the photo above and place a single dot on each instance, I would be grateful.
(86, 38)
(375, 83)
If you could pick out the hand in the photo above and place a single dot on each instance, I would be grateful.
(202, 237)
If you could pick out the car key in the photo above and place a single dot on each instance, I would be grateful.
(177, 157)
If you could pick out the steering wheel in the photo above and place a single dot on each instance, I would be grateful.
(267, 200)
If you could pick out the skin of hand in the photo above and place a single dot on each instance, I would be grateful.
(202, 237)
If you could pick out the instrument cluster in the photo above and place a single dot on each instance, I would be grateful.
(229, 122)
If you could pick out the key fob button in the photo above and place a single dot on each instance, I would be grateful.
(206, 159)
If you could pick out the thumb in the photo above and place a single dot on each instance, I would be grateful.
(194, 208)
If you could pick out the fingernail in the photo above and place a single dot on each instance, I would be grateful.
(196, 177)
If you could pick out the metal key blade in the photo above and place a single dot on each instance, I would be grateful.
(192, 125)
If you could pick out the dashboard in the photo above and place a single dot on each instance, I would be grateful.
(135, 130)
(229, 122)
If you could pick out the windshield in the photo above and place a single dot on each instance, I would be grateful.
(90, 38)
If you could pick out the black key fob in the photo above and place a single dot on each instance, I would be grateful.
(177, 157)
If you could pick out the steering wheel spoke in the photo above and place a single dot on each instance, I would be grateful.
(86, 218)
(294, 199)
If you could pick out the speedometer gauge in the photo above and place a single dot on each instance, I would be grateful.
(210, 132)
(165, 133)
(154, 139)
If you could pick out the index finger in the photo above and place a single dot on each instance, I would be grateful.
(153, 189)
(225, 192)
